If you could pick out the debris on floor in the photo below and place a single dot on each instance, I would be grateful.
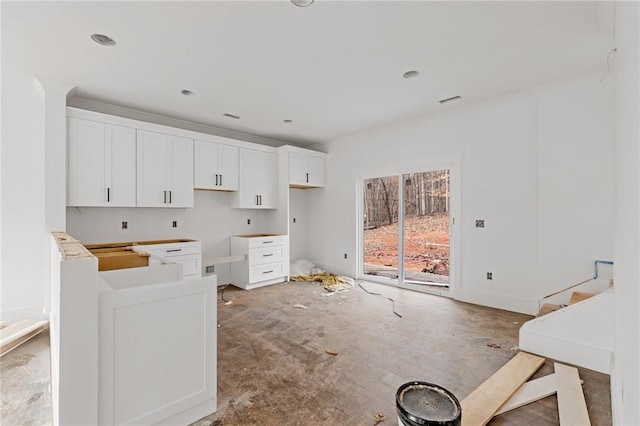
(300, 306)
(304, 270)
(379, 418)
(494, 345)
(331, 351)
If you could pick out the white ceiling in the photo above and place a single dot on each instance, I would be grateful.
(334, 68)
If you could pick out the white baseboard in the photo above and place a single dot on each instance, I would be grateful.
(9, 316)
(498, 301)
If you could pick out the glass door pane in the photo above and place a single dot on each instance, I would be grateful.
(380, 214)
(426, 228)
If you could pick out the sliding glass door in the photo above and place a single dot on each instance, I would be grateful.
(406, 229)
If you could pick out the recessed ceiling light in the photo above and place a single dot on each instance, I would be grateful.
(187, 92)
(411, 74)
(235, 117)
(103, 39)
(302, 3)
(287, 121)
(454, 98)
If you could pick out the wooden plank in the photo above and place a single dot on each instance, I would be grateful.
(572, 407)
(530, 392)
(547, 308)
(479, 407)
(14, 344)
(578, 296)
(18, 333)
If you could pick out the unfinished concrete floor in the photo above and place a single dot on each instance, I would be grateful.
(25, 384)
(273, 368)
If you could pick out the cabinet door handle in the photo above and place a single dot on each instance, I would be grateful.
(108, 194)
(216, 180)
(257, 200)
(267, 255)
(165, 197)
(169, 197)
(307, 177)
(268, 272)
(260, 199)
(220, 180)
(172, 250)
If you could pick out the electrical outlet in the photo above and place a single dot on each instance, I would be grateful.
(479, 223)
(489, 275)
(209, 269)
(294, 220)
(248, 221)
(345, 255)
(175, 224)
(124, 225)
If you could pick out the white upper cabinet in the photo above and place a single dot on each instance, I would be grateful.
(164, 170)
(258, 180)
(101, 164)
(216, 166)
(307, 170)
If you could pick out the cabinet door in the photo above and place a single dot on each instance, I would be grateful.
(86, 163)
(120, 166)
(150, 159)
(298, 171)
(228, 167)
(247, 196)
(179, 171)
(207, 175)
(267, 180)
(317, 169)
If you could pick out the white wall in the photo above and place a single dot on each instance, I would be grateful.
(510, 151)
(211, 221)
(24, 247)
(298, 210)
(625, 380)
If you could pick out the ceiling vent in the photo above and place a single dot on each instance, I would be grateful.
(103, 39)
(442, 101)
(235, 117)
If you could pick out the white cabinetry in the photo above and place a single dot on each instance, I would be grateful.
(307, 170)
(258, 186)
(267, 260)
(102, 164)
(164, 170)
(187, 253)
(216, 166)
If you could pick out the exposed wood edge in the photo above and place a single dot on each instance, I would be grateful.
(572, 408)
(69, 247)
(530, 392)
(480, 406)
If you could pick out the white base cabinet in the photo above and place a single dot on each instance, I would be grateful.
(267, 260)
(188, 254)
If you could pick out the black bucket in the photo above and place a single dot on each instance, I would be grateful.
(426, 404)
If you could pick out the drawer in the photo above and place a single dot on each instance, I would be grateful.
(260, 256)
(265, 272)
(170, 251)
(276, 240)
(190, 263)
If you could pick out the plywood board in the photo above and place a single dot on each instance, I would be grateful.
(480, 406)
(548, 308)
(572, 407)
(578, 296)
(529, 392)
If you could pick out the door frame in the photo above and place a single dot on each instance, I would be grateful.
(454, 227)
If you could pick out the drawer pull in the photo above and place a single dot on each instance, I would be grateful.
(173, 250)
(268, 272)
(267, 242)
(267, 255)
